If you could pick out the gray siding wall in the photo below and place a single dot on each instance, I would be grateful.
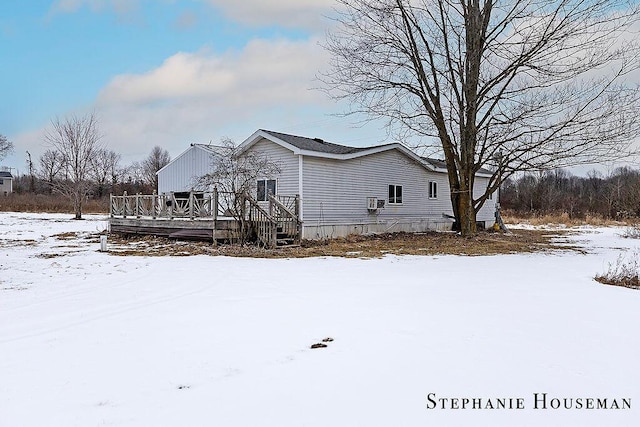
(287, 179)
(183, 172)
(336, 191)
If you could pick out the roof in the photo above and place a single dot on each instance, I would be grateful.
(4, 174)
(441, 164)
(315, 144)
(211, 149)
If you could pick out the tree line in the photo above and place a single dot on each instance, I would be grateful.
(615, 195)
(79, 167)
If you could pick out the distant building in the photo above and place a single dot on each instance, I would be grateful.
(6, 182)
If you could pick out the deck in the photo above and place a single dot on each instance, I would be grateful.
(211, 216)
(178, 228)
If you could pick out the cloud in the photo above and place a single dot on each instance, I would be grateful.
(194, 97)
(203, 96)
(186, 21)
(257, 13)
(287, 13)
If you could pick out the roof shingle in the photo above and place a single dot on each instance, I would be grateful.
(315, 144)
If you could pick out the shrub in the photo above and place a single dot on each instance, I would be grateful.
(632, 231)
(625, 271)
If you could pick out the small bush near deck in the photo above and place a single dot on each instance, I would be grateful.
(624, 272)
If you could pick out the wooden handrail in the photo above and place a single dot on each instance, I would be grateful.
(265, 224)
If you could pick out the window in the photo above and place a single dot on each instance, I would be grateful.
(433, 190)
(1, 181)
(265, 187)
(395, 194)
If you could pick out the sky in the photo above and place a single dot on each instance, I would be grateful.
(170, 73)
(167, 72)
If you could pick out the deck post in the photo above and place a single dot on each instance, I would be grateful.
(137, 205)
(298, 221)
(214, 207)
(111, 205)
(154, 202)
(124, 204)
(191, 204)
(172, 207)
(274, 234)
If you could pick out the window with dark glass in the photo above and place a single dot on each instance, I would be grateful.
(433, 190)
(265, 187)
(395, 194)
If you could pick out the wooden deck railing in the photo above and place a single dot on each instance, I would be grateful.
(282, 218)
(195, 205)
(264, 225)
(285, 210)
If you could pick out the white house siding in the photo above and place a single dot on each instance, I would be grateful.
(287, 179)
(487, 211)
(335, 195)
(5, 186)
(182, 173)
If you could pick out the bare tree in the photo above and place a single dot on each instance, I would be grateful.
(509, 85)
(75, 140)
(6, 146)
(235, 176)
(158, 159)
(104, 164)
(51, 166)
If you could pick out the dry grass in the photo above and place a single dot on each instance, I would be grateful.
(432, 243)
(632, 231)
(624, 272)
(51, 203)
(559, 219)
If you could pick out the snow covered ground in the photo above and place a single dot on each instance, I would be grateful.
(92, 339)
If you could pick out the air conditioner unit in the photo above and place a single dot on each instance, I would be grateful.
(372, 203)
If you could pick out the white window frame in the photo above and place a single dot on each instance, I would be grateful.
(433, 190)
(266, 188)
(393, 198)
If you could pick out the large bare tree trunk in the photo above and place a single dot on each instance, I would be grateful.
(493, 86)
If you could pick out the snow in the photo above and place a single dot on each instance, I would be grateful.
(88, 338)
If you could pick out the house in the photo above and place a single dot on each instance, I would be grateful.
(321, 190)
(359, 190)
(6, 182)
(182, 173)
